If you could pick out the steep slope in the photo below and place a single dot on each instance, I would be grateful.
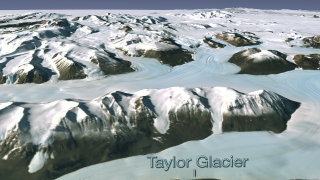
(261, 62)
(45, 141)
(313, 42)
(111, 65)
(2, 79)
(239, 39)
(67, 69)
(28, 73)
(171, 55)
(309, 62)
(260, 111)
(160, 47)
(213, 43)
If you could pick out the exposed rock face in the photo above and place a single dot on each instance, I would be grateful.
(266, 111)
(29, 74)
(160, 46)
(67, 69)
(213, 43)
(288, 40)
(309, 62)
(112, 65)
(31, 26)
(23, 25)
(74, 134)
(61, 23)
(125, 28)
(172, 57)
(2, 79)
(238, 40)
(312, 41)
(261, 62)
(37, 15)
(194, 46)
(166, 50)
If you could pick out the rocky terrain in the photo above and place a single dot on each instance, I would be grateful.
(261, 62)
(89, 94)
(313, 42)
(308, 62)
(213, 43)
(238, 40)
(162, 48)
(74, 134)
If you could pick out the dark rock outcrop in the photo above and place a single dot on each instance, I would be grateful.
(35, 75)
(68, 69)
(23, 25)
(238, 40)
(273, 117)
(86, 136)
(94, 140)
(261, 62)
(166, 50)
(308, 62)
(213, 43)
(125, 28)
(173, 57)
(312, 41)
(112, 65)
(2, 79)
(61, 23)
(288, 40)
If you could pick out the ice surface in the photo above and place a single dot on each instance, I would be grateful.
(291, 154)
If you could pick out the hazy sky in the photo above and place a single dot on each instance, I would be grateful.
(158, 4)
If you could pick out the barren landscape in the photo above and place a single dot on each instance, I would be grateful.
(90, 94)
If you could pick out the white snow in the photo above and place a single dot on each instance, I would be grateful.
(290, 155)
(9, 119)
(4, 105)
(37, 162)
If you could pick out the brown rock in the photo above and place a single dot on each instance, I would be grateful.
(272, 63)
(112, 65)
(125, 28)
(36, 75)
(213, 44)
(171, 57)
(312, 41)
(2, 79)
(310, 62)
(274, 120)
(23, 25)
(288, 40)
(68, 69)
(236, 39)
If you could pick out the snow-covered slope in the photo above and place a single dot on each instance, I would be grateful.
(261, 62)
(121, 124)
(85, 87)
(205, 14)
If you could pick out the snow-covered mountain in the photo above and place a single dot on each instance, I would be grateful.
(261, 62)
(79, 88)
(120, 124)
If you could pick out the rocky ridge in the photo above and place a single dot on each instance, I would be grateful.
(261, 62)
(119, 125)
